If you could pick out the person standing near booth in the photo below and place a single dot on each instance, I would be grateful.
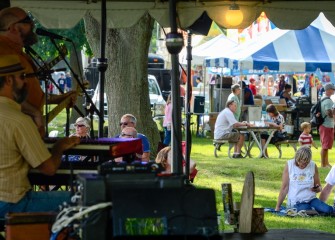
(326, 130)
(252, 86)
(248, 99)
(167, 121)
(235, 92)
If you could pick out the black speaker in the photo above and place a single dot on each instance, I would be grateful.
(92, 191)
(173, 211)
(199, 104)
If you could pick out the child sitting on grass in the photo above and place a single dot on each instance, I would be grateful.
(306, 138)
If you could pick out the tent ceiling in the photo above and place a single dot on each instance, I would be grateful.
(125, 13)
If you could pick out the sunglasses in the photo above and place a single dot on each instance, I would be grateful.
(125, 123)
(126, 135)
(27, 19)
(80, 125)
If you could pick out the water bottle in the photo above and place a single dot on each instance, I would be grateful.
(262, 121)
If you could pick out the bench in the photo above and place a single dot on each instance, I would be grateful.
(218, 143)
(289, 142)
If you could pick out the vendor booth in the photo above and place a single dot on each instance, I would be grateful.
(284, 51)
(210, 48)
(288, 51)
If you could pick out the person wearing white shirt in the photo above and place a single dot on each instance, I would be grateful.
(330, 183)
(224, 125)
(301, 183)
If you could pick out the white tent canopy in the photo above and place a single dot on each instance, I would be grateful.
(285, 50)
(125, 13)
(210, 48)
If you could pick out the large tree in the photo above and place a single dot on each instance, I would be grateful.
(126, 83)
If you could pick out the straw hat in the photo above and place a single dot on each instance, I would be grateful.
(10, 64)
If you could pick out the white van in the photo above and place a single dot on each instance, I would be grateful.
(157, 101)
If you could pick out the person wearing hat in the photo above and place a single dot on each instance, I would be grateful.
(16, 32)
(235, 92)
(326, 130)
(252, 86)
(83, 126)
(22, 147)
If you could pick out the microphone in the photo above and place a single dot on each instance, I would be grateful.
(42, 32)
(43, 73)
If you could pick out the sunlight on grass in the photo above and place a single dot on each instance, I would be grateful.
(215, 171)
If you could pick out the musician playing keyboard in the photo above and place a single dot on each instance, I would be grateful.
(16, 32)
(21, 147)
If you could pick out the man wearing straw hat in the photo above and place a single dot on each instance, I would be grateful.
(16, 32)
(22, 148)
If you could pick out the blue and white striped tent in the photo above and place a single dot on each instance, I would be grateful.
(284, 51)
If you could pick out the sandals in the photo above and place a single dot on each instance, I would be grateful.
(292, 212)
(302, 213)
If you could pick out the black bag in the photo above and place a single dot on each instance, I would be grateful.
(316, 115)
(278, 137)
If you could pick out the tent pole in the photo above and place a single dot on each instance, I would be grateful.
(102, 67)
(175, 93)
(188, 96)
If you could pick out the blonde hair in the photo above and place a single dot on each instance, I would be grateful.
(305, 125)
(163, 156)
(303, 155)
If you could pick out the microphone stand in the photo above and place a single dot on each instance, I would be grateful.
(34, 56)
(77, 80)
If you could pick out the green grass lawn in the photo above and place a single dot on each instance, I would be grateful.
(215, 171)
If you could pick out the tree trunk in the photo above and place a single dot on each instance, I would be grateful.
(77, 68)
(126, 83)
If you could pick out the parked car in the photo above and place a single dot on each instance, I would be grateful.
(157, 101)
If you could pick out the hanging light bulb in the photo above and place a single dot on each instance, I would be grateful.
(234, 15)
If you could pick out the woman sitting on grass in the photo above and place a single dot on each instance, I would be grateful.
(301, 182)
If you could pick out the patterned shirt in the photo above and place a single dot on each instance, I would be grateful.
(21, 148)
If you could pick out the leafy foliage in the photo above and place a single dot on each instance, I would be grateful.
(45, 48)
